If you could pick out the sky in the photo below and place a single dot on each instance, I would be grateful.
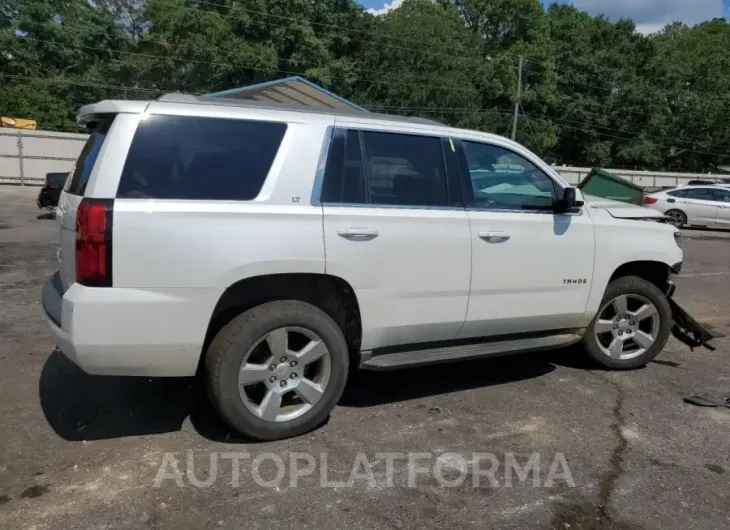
(649, 15)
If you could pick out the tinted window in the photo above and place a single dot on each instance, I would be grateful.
(721, 195)
(181, 157)
(404, 170)
(678, 193)
(704, 194)
(82, 170)
(344, 180)
(505, 180)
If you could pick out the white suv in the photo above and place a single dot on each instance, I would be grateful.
(271, 248)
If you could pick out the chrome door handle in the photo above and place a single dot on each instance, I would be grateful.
(494, 237)
(357, 234)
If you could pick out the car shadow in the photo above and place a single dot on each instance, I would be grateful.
(47, 216)
(82, 407)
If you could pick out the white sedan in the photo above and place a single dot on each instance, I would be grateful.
(693, 205)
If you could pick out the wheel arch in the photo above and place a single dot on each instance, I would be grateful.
(654, 272)
(332, 294)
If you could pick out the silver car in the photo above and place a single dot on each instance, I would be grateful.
(693, 205)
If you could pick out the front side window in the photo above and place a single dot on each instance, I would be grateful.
(503, 179)
(185, 157)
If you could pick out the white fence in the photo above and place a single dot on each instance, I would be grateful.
(26, 157)
(645, 179)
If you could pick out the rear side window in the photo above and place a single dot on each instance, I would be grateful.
(678, 193)
(704, 194)
(183, 157)
(377, 168)
(405, 170)
(76, 184)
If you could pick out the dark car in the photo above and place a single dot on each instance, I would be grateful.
(50, 193)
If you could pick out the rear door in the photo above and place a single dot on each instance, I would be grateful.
(396, 230)
(73, 193)
(722, 202)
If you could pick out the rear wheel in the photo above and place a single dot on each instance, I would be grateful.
(631, 327)
(277, 370)
(678, 217)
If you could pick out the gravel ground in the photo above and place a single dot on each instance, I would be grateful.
(616, 450)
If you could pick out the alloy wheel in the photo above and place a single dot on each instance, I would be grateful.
(627, 326)
(284, 374)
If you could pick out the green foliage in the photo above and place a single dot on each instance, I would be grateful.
(595, 92)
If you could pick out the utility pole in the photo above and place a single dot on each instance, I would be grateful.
(517, 99)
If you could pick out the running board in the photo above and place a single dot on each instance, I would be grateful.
(413, 358)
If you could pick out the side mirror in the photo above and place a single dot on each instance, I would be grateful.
(568, 201)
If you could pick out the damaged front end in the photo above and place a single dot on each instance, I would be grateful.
(686, 329)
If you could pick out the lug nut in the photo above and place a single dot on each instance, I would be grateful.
(620, 333)
(283, 359)
(283, 383)
(272, 367)
(294, 375)
(615, 327)
(293, 364)
(632, 323)
(628, 332)
(272, 378)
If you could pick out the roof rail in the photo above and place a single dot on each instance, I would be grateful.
(251, 103)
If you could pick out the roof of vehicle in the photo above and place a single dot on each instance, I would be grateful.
(116, 106)
(422, 124)
(691, 187)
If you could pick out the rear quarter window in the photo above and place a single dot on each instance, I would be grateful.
(78, 180)
(183, 157)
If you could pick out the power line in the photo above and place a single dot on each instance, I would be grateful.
(566, 124)
(85, 84)
(267, 70)
(458, 110)
(425, 49)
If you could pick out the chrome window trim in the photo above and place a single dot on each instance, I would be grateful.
(505, 210)
(390, 206)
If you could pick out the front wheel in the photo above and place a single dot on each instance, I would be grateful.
(632, 325)
(277, 370)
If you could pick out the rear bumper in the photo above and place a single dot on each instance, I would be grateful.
(113, 331)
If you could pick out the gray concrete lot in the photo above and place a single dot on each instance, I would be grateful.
(84, 452)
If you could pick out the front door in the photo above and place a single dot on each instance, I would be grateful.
(531, 268)
(394, 232)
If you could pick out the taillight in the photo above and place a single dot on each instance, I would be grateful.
(94, 242)
(650, 200)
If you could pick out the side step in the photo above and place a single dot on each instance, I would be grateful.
(422, 357)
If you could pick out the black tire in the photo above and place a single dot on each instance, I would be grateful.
(679, 218)
(629, 285)
(228, 348)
